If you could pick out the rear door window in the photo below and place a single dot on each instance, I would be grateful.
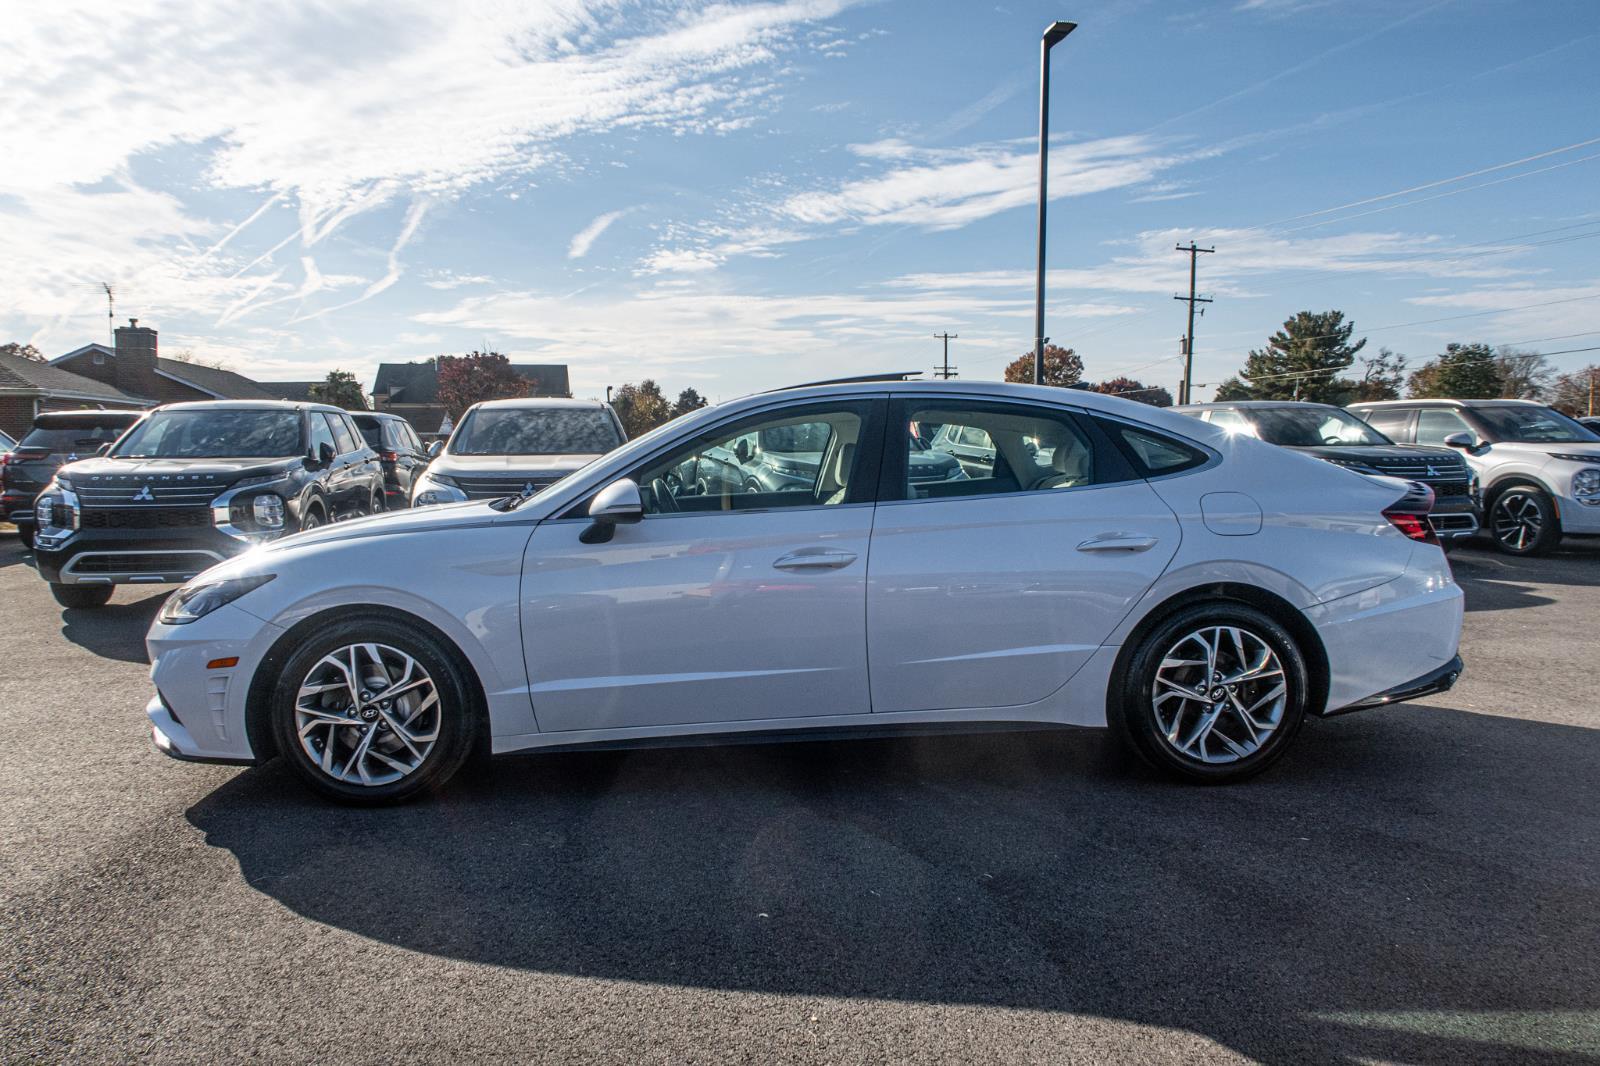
(1435, 424)
(1390, 422)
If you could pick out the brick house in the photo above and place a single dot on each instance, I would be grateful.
(27, 388)
(411, 390)
(135, 367)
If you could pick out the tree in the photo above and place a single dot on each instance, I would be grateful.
(22, 351)
(1524, 375)
(341, 389)
(477, 376)
(1062, 367)
(1232, 389)
(1381, 376)
(1463, 372)
(688, 400)
(1301, 361)
(641, 407)
(1577, 393)
(1130, 389)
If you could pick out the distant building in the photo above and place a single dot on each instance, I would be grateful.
(130, 375)
(27, 388)
(411, 390)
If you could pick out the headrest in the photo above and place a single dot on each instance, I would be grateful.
(1070, 458)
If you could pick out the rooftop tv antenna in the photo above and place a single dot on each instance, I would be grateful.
(111, 311)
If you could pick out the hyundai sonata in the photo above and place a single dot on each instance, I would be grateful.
(1107, 564)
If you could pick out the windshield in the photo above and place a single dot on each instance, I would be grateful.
(524, 431)
(1532, 425)
(1310, 427)
(66, 440)
(214, 434)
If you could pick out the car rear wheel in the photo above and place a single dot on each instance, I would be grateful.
(1523, 521)
(81, 596)
(369, 711)
(1214, 694)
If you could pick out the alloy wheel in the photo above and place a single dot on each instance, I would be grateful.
(1219, 694)
(1518, 520)
(367, 714)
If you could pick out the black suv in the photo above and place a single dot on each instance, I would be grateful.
(402, 453)
(1339, 437)
(57, 438)
(195, 483)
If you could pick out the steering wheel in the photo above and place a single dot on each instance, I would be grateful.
(665, 501)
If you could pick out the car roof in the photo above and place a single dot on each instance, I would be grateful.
(391, 416)
(536, 403)
(1257, 405)
(248, 405)
(1448, 403)
(71, 418)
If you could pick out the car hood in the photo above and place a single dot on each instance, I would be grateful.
(929, 461)
(218, 470)
(507, 464)
(422, 520)
(1543, 450)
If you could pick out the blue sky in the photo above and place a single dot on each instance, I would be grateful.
(738, 195)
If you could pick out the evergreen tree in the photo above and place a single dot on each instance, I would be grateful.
(1302, 361)
(341, 389)
(1463, 372)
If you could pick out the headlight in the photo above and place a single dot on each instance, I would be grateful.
(56, 509)
(198, 600)
(267, 509)
(435, 489)
(1586, 486)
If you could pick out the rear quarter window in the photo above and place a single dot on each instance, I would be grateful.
(1152, 453)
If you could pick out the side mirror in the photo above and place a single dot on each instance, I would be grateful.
(324, 454)
(1464, 441)
(619, 503)
(435, 448)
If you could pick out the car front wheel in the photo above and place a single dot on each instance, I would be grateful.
(1214, 694)
(81, 596)
(370, 711)
(1523, 521)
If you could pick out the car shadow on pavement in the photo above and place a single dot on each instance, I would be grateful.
(115, 631)
(1495, 582)
(1407, 885)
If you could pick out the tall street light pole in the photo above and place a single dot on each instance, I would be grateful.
(1053, 34)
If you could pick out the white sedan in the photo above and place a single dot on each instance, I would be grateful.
(1102, 564)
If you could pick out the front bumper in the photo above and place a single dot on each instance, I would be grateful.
(1435, 681)
(133, 556)
(198, 713)
(1580, 518)
(1453, 516)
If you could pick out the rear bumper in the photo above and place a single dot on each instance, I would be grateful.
(1440, 680)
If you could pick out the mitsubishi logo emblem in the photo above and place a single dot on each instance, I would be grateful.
(1431, 471)
(144, 495)
(527, 489)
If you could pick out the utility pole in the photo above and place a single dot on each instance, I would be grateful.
(947, 371)
(1053, 35)
(1194, 251)
(111, 312)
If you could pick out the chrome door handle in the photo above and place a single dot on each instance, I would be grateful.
(815, 559)
(1118, 542)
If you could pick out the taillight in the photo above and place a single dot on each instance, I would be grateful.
(1415, 526)
(389, 457)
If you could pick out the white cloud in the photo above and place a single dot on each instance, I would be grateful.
(449, 279)
(948, 188)
(584, 239)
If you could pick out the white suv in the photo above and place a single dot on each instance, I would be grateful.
(1540, 470)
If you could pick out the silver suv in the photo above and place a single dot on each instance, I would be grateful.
(1540, 470)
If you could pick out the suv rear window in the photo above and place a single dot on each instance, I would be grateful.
(68, 439)
(372, 432)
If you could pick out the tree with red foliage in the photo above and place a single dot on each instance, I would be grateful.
(1130, 389)
(477, 376)
(1062, 367)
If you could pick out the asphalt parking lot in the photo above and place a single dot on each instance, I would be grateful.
(1418, 884)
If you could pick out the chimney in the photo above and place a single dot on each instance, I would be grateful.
(135, 365)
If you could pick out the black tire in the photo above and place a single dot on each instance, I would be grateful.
(376, 504)
(1133, 708)
(1522, 520)
(25, 534)
(82, 596)
(312, 518)
(457, 719)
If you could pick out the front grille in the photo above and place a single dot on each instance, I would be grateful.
(1429, 471)
(492, 487)
(142, 563)
(170, 489)
(145, 517)
(1448, 488)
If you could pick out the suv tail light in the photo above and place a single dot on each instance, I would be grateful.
(389, 457)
